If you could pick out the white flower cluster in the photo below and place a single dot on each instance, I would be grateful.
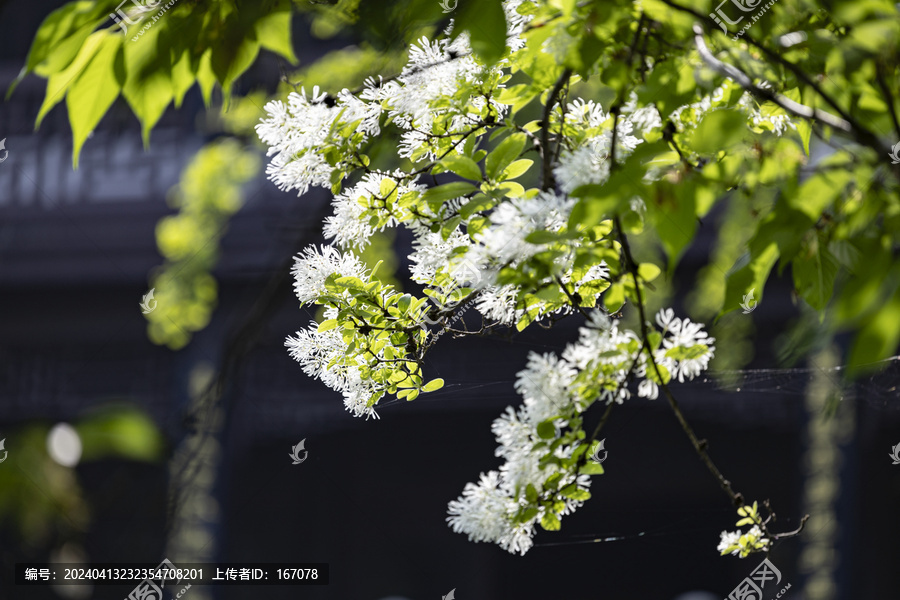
(323, 354)
(587, 162)
(298, 133)
(313, 267)
(740, 543)
(690, 114)
(504, 241)
(350, 225)
(555, 389)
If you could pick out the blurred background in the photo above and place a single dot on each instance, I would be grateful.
(131, 437)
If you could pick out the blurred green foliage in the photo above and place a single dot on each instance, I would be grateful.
(42, 501)
(151, 59)
(207, 195)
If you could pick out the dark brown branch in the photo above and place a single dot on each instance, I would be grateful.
(547, 181)
(699, 445)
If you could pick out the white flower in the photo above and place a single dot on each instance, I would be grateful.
(544, 385)
(504, 240)
(313, 267)
(600, 343)
(589, 162)
(585, 113)
(323, 356)
(499, 304)
(481, 510)
(727, 540)
(349, 226)
(664, 318)
(431, 253)
(297, 133)
(648, 389)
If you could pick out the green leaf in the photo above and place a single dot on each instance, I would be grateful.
(591, 468)
(575, 493)
(814, 274)
(820, 191)
(478, 203)
(404, 302)
(878, 337)
(327, 325)
(614, 297)
(231, 60)
(550, 522)
(94, 91)
(752, 276)
(206, 79)
(351, 283)
(462, 166)
(60, 36)
(274, 33)
(719, 130)
(672, 211)
(433, 385)
(148, 86)
(436, 196)
(58, 83)
(504, 154)
(804, 130)
(485, 20)
(546, 429)
(517, 168)
(182, 77)
(648, 271)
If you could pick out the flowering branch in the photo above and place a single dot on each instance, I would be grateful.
(700, 446)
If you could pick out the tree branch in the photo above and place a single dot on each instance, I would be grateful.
(547, 181)
(862, 135)
(795, 108)
(700, 446)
